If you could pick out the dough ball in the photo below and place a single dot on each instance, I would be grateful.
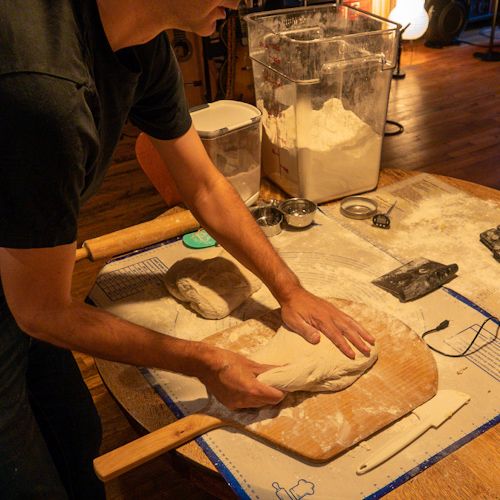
(213, 287)
(307, 367)
(180, 269)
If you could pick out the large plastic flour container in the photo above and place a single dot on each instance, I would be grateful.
(231, 133)
(322, 79)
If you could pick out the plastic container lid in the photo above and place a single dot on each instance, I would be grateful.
(221, 117)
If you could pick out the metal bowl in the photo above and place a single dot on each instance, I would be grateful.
(269, 218)
(298, 212)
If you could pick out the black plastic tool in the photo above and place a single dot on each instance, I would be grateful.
(383, 220)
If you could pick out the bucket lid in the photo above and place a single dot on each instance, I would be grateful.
(221, 117)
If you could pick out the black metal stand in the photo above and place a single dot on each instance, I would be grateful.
(393, 128)
(397, 73)
(491, 55)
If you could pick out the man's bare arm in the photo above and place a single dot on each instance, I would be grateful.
(219, 209)
(37, 286)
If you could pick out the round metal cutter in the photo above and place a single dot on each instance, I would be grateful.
(358, 207)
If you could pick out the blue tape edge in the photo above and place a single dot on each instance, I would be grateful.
(143, 249)
(212, 456)
(432, 460)
(471, 304)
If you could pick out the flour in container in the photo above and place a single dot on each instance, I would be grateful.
(334, 153)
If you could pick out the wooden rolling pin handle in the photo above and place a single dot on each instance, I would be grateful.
(138, 236)
(135, 453)
(82, 253)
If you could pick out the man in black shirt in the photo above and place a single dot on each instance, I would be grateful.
(71, 73)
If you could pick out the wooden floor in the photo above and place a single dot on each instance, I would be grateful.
(449, 105)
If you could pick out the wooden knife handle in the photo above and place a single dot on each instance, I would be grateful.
(135, 453)
(138, 236)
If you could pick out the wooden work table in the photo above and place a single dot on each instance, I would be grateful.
(466, 473)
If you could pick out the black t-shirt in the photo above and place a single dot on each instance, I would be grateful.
(64, 98)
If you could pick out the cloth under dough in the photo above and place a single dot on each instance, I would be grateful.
(309, 367)
(212, 287)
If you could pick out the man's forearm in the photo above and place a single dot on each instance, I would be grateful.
(84, 328)
(237, 232)
(220, 210)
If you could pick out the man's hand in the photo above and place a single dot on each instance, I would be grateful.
(309, 315)
(232, 379)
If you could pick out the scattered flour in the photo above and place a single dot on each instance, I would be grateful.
(440, 223)
(446, 229)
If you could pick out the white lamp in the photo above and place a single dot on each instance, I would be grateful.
(410, 14)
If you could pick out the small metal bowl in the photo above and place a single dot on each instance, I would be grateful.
(269, 218)
(298, 212)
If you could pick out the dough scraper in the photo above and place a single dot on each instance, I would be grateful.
(431, 414)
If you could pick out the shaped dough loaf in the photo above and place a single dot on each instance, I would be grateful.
(213, 287)
(308, 367)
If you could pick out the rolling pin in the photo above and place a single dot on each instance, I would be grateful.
(138, 236)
